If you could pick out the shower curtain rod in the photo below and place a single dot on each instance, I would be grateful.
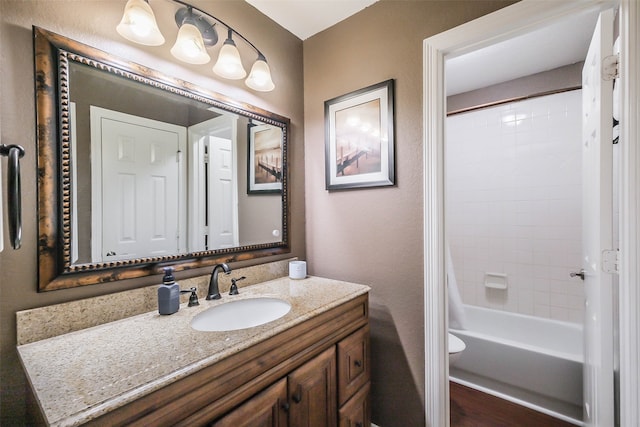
(514, 99)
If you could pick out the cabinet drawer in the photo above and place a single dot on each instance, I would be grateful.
(353, 364)
(356, 413)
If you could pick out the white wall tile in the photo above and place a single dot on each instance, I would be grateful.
(558, 313)
(513, 192)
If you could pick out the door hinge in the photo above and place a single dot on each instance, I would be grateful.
(610, 69)
(611, 261)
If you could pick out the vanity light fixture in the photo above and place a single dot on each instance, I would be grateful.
(260, 76)
(196, 34)
(139, 25)
(229, 64)
(190, 43)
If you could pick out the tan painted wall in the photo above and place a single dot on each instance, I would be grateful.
(374, 236)
(93, 22)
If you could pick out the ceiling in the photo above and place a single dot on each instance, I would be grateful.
(304, 18)
(562, 43)
(565, 42)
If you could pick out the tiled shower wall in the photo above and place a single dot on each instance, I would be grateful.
(513, 204)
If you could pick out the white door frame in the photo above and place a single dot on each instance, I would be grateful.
(500, 25)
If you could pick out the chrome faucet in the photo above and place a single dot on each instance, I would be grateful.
(213, 292)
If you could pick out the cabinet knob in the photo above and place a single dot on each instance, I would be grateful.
(285, 406)
(358, 363)
(359, 424)
(297, 397)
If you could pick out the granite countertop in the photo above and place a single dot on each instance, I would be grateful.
(81, 375)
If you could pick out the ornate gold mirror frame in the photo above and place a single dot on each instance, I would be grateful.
(53, 54)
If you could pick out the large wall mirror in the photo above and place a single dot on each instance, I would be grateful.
(139, 170)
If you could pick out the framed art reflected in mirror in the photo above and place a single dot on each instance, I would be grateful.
(264, 159)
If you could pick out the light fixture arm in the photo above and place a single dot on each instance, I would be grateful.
(196, 32)
(229, 28)
(207, 29)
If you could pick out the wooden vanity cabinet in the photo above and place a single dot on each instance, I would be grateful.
(311, 400)
(267, 409)
(354, 373)
(339, 376)
(356, 412)
(353, 364)
(312, 392)
(295, 378)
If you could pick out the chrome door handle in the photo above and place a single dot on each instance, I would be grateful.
(579, 274)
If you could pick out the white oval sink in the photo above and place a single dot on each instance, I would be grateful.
(241, 314)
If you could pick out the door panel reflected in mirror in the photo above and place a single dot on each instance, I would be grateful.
(152, 170)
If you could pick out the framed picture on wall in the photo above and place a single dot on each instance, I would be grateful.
(359, 138)
(264, 160)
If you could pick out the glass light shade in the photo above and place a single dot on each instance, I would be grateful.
(229, 64)
(260, 76)
(189, 46)
(139, 25)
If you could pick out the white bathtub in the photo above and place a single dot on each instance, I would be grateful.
(528, 360)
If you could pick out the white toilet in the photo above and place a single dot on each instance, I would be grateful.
(456, 347)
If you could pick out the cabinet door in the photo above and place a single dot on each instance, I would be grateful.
(353, 364)
(356, 412)
(312, 392)
(263, 410)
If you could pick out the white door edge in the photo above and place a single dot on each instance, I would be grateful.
(227, 126)
(597, 227)
(499, 25)
(630, 214)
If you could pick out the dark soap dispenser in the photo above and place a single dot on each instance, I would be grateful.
(168, 293)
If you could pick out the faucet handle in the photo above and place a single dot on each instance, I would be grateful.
(234, 288)
(193, 298)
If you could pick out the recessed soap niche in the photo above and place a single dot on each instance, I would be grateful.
(496, 281)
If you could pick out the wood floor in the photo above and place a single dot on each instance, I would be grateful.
(471, 408)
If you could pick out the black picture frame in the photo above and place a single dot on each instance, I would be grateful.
(359, 138)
